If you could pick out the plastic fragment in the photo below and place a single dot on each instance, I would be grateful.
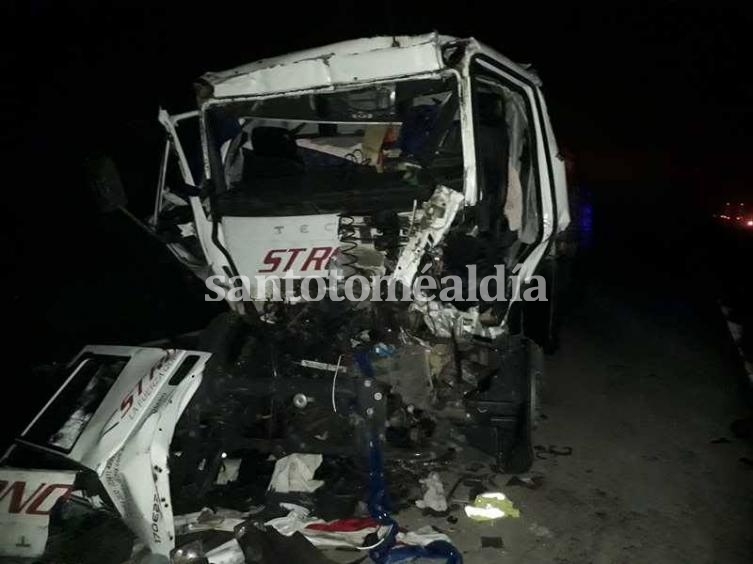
(491, 505)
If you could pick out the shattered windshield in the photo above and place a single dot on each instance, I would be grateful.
(350, 149)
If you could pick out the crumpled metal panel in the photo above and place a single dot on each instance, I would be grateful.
(446, 321)
(436, 219)
(301, 75)
(364, 60)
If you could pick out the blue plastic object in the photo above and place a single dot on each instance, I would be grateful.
(437, 550)
(379, 504)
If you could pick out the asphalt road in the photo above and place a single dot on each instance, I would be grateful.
(644, 385)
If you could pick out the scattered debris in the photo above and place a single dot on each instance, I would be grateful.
(351, 532)
(530, 482)
(189, 553)
(261, 546)
(492, 542)
(543, 452)
(229, 552)
(491, 505)
(295, 473)
(434, 497)
(436, 549)
(356, 533)
(208, 520)
(296, 520)
(422, 537)
(384, 351)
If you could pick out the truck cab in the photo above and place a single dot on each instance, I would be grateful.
(323, 159)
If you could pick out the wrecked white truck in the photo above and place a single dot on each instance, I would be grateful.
(395, 157)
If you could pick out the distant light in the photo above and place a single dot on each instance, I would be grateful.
(750, 223)
(224, 455)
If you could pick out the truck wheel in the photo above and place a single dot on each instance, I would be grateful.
(535, 365)
(520, 456)
(503, 417)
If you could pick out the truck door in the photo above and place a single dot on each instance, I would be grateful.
(179, 214)
(513, 165)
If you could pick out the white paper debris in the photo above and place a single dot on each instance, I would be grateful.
(296, 520)
(208, 520)
(423, 536)
(295, 473)
(227, 553)
(434, 497)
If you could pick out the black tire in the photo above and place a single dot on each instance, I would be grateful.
(504, 415)
(521, 457)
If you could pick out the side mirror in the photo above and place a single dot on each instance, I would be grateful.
(104, 181)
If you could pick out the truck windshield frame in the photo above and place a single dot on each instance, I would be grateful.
(337, 149)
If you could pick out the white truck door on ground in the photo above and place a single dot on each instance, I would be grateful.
(116, 414)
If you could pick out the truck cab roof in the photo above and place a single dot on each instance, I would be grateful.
(357, 61)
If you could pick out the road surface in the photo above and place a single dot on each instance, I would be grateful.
(644, 385)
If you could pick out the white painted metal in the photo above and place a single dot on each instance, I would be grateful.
(558, 164)
(345, 63)
(26, 498)
(127, 438)
(528, 267)
(217, 263)
(289, 239)
(437, 215)
(354, 63)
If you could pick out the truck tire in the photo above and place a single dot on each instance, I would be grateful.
(521, 455)
(500, 421)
